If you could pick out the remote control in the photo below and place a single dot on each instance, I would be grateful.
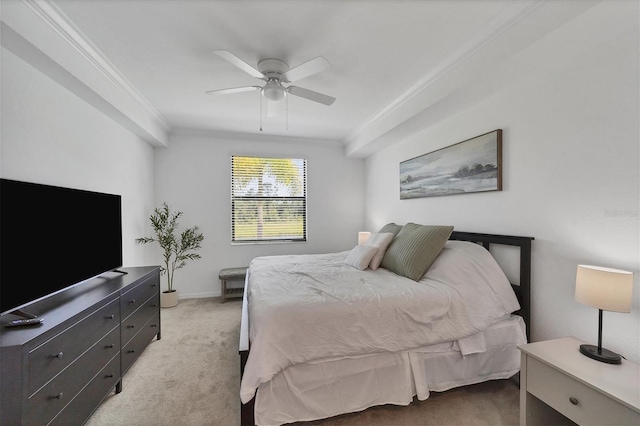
(22, 322)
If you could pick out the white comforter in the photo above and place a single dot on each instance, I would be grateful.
(310, 307)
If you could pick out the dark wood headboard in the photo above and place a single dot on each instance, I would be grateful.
(523, 290)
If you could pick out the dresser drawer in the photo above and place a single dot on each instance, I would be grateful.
(132, 350)
(84, 404)
(56, 394)
(48, 359)
(588, 407)
(135, 321)
(132, 299)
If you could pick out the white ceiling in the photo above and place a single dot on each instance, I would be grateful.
(389, 59)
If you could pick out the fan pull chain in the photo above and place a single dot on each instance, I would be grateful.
(260, 111)
(286, 125)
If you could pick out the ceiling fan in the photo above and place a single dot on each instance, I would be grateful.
(276, 72)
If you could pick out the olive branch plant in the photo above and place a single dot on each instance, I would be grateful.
(177, 250)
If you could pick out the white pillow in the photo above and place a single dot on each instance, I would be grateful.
(380, 241)
(360, 256)
(463, 262)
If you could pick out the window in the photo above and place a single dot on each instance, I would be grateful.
(268, 199)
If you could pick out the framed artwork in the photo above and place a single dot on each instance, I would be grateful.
(473, 165)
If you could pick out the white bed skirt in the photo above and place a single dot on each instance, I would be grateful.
(313, 391)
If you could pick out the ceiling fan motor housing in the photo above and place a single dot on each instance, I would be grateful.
(273, 68)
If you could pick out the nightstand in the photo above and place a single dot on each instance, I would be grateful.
(559, 385)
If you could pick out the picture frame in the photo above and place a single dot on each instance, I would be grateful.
(473, 165)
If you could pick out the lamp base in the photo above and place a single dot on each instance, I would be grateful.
(605, 355)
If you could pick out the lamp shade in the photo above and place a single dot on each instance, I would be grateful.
(604, 288)
(363, 237)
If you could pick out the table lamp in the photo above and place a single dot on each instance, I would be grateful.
(363, 237)
(606, 289)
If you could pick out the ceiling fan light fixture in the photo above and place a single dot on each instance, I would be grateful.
(273, 91)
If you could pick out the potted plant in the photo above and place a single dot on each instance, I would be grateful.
(177, 250)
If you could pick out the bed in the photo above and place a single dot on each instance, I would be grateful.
(324, 338)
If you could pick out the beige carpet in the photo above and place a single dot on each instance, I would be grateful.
(191, 377)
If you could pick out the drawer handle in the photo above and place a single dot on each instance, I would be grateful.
(154, 285)
(573, 401)
(58, 396)
(154, 305)
(110, 316)
(108, 376)
(111, 346)
(132, 301)
(153, 325)
(58, 355)
(131, 351)
(131, 326)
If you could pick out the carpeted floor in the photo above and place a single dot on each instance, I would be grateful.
(191, 377)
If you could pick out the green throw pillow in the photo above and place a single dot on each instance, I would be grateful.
(391, 227)
(414, 249)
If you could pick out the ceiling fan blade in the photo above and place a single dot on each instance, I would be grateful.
(230, 57)
(311, 95)
(233, 90)
(311, 67)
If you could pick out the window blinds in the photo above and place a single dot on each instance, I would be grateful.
(268, 199)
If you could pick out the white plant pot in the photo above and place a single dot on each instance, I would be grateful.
(168, 300)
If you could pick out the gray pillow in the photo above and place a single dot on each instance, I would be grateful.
(414, 249)
(391, 227)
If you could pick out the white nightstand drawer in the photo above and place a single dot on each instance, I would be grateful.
(588, 407)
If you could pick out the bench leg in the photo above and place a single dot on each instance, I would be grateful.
(223, 288)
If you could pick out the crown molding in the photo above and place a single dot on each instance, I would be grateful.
(244, 136)
(493, 30)
(49, 13)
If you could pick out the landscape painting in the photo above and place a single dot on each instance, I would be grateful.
(474, 165)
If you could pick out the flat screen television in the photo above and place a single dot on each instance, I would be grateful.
(52, 238)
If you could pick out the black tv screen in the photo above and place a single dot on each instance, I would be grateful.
(52, 238)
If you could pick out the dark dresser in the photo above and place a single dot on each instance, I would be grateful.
(60, 371)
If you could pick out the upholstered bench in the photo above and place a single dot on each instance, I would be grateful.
(231, 274)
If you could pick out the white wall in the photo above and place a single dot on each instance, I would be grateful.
(193, 175)
(51, 136)
(571, 154)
